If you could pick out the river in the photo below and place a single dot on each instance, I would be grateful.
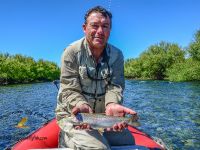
(168, 110)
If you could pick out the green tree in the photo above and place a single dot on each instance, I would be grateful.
(158, 58)
(189, 70)
(132, 68)
(3, 73)
(23, 69)
(47, 70)
(194, 47)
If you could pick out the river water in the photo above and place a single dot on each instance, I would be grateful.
(167, 110)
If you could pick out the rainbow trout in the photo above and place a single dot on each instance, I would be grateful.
(101, 121)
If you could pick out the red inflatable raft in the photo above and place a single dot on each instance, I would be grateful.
(46, 137)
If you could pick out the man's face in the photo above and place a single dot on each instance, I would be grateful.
(97, 30)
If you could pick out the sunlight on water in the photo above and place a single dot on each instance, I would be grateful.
(167, 110)
(34, 101)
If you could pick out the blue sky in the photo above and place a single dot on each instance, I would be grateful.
(43, 28)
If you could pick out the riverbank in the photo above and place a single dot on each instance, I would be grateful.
(5, 83)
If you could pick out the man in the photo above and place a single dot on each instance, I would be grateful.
(92, 81)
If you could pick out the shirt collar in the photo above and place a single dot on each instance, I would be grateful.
(104, 57)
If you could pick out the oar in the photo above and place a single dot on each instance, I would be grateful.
(56, 82)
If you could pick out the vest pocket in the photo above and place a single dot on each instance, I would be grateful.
(83, 72)
(85, 80)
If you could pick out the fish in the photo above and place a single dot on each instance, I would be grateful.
(22, 122)
(102, 121)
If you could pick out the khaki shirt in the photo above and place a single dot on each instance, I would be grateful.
(82, 81)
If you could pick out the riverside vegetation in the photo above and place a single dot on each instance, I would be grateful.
(23, 69)
(167, 61)
(163, 61)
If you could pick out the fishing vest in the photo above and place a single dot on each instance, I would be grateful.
(96, 80)
(94, 77)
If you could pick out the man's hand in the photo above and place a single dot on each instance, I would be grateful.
(118, 110)
(84, 108)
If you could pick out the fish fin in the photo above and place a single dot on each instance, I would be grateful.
(135, 117)
(101, 130)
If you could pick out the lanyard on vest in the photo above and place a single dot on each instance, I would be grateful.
(96, 79)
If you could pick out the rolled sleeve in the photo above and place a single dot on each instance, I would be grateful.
(70, 89)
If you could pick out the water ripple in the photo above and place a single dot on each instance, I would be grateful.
(167, 110)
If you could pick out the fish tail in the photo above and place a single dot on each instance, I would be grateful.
(133, 120)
